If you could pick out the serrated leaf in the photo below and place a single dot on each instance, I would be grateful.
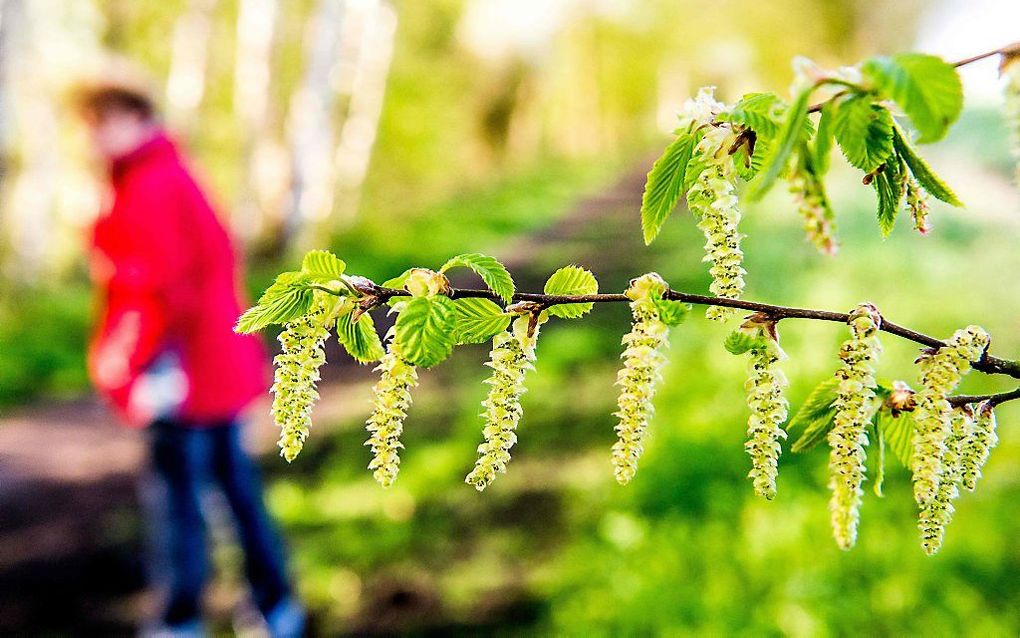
(927, 88)
(571, 280)
(478, 320)
(864, 132)
(425, 330)
(758, 112)
(822, 146)
(323, 265)
(898, 433)
(790, 133)
(672, 313)
(738, 342)
(665, 184)
(359, 337)
(286, 299)
(814, 418)
(922, 172)
(493, 273)
(890, 188)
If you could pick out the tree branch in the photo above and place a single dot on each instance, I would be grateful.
(988, 364)
(993, 399)
(1009, 49)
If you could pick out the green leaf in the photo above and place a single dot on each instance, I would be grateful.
(425, 330)
(738, 342)
(922, 172)
(890, 187)
(758, 112)
(814, 418)
(672, 313)
(822, 147)
(286, 299)
(864, 132)
(359, 337)
(665, 184)
(478, 320)
(898, 433)
(571, 280)
(323, 265)
(927, 88)
(790, 133)
(879, 460)
(493, 273)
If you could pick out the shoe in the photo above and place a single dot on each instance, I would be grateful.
(286, 619)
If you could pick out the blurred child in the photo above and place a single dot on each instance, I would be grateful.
(165, 355)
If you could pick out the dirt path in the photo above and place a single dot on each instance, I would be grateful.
(68, 529)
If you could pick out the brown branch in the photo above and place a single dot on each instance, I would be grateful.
(988, 364)
(992, 399)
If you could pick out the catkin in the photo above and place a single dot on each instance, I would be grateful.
(937, 513)
(819, 227)
(917, 204)
(713, 200)
(295, 377)
(769, 408)
(941, 371)
(513, 354)
(391, 399)
(979, 443)
(642, 364)
(848, 437)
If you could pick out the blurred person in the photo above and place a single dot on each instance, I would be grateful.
(164, 353)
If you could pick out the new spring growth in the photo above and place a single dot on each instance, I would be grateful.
(391, 399)
(941, 371)
(917, 204)
(765, 386)
(713, 200)
(979, 443)
(297, 372)
(642, 365)
(848, 438)
(392, 393)
(937, 513)
(819, 227)
(513, 354)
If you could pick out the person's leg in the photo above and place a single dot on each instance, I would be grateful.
(263, 547)
(179, 458)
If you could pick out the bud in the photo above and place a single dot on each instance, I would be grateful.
(641, 373)
(848, 438)
(513, 354)
(391, 399)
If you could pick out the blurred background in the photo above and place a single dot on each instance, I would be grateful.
(399, 133)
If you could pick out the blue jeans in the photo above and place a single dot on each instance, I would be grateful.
(185, 462)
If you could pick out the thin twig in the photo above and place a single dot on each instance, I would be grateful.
(988, 363)
(992, 399)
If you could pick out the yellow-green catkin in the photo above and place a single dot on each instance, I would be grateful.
(392, 398)
(296, 374)
(817, 218)
(848, 438)
(937, 513)
(765, 387)
(979, 443)
(941, 371)
(713, 200)
(1011, 73)
(513, 354)
(642, 370)
(917, 204)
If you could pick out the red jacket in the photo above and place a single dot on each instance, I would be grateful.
(166, 273)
